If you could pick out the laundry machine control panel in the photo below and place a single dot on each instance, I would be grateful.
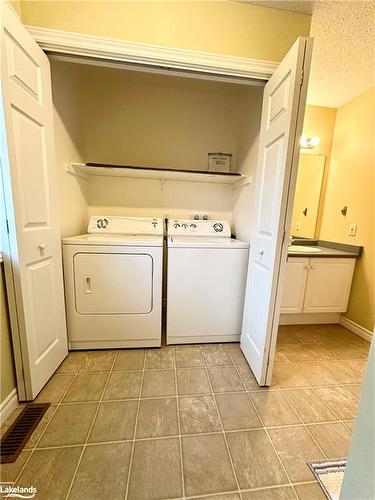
(126, 225)
(210, 228)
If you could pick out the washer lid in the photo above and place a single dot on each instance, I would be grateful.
(114, 240)
(196, 242)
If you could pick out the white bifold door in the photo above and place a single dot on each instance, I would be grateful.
(281, 126)
(33, 257)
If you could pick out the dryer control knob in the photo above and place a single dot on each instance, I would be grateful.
(176, 225)
(184, 225)
(218, 227)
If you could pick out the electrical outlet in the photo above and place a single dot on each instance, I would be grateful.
(298, 226)
(352, 229)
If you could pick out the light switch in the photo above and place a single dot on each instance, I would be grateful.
(352, 229)
(298, 226)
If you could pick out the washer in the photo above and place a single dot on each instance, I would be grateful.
(113, 283)
(206, 282)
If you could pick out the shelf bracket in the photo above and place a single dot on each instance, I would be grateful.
(245, 181)
(76, 169)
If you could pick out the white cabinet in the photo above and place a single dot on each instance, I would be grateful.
(294, 285)
(317, 285)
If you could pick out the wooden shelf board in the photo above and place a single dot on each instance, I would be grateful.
(86, 170)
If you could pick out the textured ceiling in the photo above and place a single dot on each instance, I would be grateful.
(343, 64)
(305, 7)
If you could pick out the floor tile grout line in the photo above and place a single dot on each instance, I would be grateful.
(173, 436)
(34, 448)
(246, 490)
(90, 428)
(179, 422)
(221, 422)
(251, 391)
(135, 426)
(322, 362)
(337, 384)
(324, 402)
(267, 434)
(305, 424)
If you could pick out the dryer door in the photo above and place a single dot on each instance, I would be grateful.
(113, 283)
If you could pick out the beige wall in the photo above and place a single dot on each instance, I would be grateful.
(137, 118)
(351, 182)
(225, 27)
(73, 191)
(16, 4)
(247, 154)
(320, 121)
(7, 380)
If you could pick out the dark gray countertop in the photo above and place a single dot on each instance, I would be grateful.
(328, 249)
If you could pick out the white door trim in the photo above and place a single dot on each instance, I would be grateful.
(111, 49)
(8, 405)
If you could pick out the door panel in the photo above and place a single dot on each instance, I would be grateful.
(29, 142)
(113, 283)
(282, 118)
(29, 178)
(22, 69)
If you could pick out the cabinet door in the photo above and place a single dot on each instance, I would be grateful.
(294, 285)
(328, 285)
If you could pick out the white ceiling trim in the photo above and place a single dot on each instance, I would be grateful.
(110, 49)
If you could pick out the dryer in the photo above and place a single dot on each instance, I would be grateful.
(113, 283)
(206, 282)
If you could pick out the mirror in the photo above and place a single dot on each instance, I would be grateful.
(308, 189)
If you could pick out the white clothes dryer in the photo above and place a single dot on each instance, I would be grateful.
(113, 283)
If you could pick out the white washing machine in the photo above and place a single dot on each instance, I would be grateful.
(113, 283)
(206, 282)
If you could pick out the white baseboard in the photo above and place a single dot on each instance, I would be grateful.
(8, 405)
(309, 318)
(355, 328)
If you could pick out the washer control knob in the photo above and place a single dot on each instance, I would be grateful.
(99, 223)
(176, 225)
(218, 227)
(193, 226)
(184, 225)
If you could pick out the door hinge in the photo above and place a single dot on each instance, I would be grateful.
(284, 232)
(7, 223)
(302, 75)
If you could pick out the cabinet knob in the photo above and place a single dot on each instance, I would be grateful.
(42, 246)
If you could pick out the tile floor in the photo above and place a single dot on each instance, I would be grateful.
(191, 421)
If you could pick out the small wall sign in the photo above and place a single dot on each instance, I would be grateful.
(219, 162)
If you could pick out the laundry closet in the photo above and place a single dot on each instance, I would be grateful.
(121, 116)
(97, 136)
